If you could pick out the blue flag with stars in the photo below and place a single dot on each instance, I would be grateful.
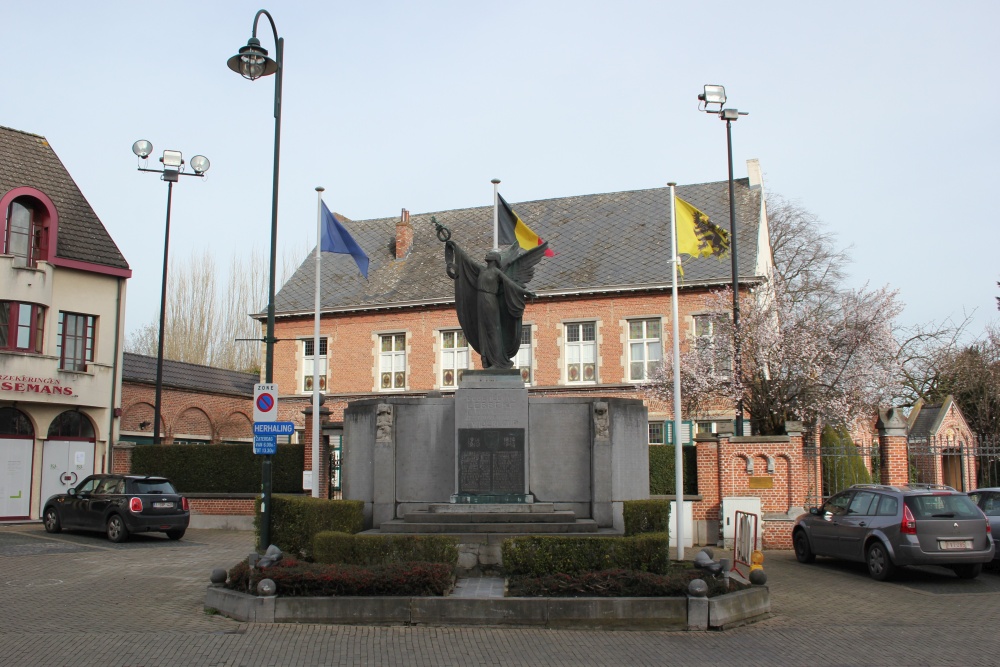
(336, 239)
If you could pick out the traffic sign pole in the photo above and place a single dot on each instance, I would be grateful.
(265, 407)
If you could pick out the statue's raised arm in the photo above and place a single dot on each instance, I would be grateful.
(489, 300)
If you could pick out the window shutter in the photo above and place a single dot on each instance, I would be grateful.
(686, 428)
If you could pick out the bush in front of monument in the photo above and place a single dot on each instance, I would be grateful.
(376, 550)
(293, 578)
(646, 516)
(295, 521)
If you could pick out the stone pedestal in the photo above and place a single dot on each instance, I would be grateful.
(492, 442)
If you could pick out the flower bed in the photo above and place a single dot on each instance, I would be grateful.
(617, 583)
(297, 579)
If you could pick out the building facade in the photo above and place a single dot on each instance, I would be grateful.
(600, 324)
(199, 404)
(62, 315)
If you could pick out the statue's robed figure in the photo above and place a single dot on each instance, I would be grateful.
(489, 299)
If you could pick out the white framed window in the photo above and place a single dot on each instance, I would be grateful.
(709, 340)
(522, 361)
(454, 358)
(581, 352)
(392, 361)
(656, 433)
(310, 361)
(75, 341)
(645, 348)
(662, 432)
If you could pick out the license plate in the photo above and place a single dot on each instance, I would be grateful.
(955, 545)
(163, 504)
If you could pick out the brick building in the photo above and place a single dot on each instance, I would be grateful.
(62, 317)
(200, 404)
(600, 323)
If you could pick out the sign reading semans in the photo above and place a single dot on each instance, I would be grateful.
(32, 385)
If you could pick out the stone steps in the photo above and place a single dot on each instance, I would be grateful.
(554, 516)
(400, 526)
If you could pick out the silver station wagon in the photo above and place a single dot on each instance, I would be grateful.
(891, 526)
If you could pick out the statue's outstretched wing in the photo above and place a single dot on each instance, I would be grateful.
(521, 268)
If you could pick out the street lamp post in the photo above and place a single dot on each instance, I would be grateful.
(173, 168)
(252, 63)
(716, 95)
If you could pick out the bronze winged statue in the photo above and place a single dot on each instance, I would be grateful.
(490, 298)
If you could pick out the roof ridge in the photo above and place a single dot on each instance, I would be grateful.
(549, 199)
(189, 363)
(30, 134)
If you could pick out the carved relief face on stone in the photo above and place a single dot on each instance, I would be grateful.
(383, 422)
(601, 420)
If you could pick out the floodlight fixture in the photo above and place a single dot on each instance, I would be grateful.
(142, 148)
(200, 164)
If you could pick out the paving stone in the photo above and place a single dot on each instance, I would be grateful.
(76, 599)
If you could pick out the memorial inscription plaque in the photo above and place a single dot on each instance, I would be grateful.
(491, 460)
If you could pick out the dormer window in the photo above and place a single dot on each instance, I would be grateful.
(25, 232)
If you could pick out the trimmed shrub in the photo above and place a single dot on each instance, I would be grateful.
(369, 550)
(616, 583)
(220, 468)
(661, 470)
(296, 579)
(295, 520)
(843, 464)
(547, 554)
(646, 516)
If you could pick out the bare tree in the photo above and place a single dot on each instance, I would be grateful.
(204, 326)
(812, 349)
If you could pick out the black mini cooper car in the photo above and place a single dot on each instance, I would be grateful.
(119, 505)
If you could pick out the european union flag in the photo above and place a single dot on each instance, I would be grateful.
(336, 239)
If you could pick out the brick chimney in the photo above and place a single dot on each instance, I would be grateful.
(404, 235)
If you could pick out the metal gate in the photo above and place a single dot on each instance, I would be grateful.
(963, 464)
(831, 469)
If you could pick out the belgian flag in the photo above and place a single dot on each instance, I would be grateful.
(511, 229)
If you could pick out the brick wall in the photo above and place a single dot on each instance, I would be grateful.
(186, 414)
(353, 343)
(223, 506)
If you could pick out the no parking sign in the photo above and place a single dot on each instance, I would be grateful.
(265, 402)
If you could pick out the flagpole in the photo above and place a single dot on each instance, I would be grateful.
(496, 215)
(315, 392)
(678, 435)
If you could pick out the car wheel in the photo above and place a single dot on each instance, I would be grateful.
(175, 534)
(51, 518)
(117, 531)
(803, 552)
(969, 571)
(880, 566)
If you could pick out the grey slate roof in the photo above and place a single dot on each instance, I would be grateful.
(182, 375)
(618, 240)
(28, 160)
(927, 421)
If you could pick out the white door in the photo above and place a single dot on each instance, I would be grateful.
(64, 465)
(15, 478)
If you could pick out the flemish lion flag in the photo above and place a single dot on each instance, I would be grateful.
(511, 229)
(696, 235)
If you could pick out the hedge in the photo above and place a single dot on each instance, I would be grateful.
(220, 468)
(540, 555)
(295, 520)
(618, 583)
(293, 578)
(661, 470)
(646, 516)
(369, 550)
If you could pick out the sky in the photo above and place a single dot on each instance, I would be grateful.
(874, 116)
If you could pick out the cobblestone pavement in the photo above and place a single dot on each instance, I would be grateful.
(77, 599)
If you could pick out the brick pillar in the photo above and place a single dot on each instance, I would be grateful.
(323, 478)
(121, 458)
(892, 447)
(798, 483)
